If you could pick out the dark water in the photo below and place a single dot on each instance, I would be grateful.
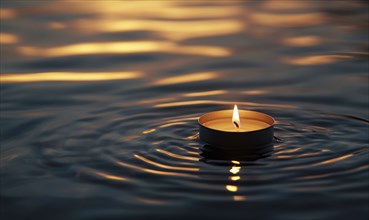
(104, 124)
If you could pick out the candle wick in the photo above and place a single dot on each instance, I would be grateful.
(235, 123)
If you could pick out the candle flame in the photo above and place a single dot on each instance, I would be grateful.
(236, 117)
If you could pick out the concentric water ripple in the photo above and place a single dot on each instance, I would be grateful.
(310, 149)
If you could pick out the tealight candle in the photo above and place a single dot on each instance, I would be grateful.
(236, 129)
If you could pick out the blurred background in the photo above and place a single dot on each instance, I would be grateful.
(99, 102)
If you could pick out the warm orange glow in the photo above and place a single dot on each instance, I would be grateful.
(194, 77)
(174, 30)
(94, 48)
(255, 92)
(236, 117)
(239, 198)
(315, 59)
(6, 38)
(288, 20)
(6, 13)
(207, 93)
(231, 188)
(120, 7)
(171, 20)
(66, 76)
(302, 41)
(125, 48)
(149, 9)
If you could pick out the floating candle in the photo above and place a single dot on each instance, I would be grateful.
(236, 129)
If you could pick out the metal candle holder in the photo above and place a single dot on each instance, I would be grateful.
(249, 142)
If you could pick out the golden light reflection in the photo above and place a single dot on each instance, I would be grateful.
(212, 102)
(166, 173)
(231, 188)
(171, 124)
(255, 92)
(198, 12)
(315, 59)
(235, 169)
(129, 7)
(234, 178)
(211, 51)
(177, 155)
(288, 20)
(311, 154)
(6, 13)
(174, 30)
(149, 131)
(157, 142)
(302, 41)
(284, 156)
(192, 137)
(288, 151)
(329, 161)
(186, 78)
(207, 93)
(183, 119)
(67, 76)
(125, 47)
(156, 9)
(155, 100)
(6, 38)
(235, 162)
(111, 177)
(163, 165)
(335, 159)
(239, 198)
(122, 16)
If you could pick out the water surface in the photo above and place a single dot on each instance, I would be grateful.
(100, 101)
